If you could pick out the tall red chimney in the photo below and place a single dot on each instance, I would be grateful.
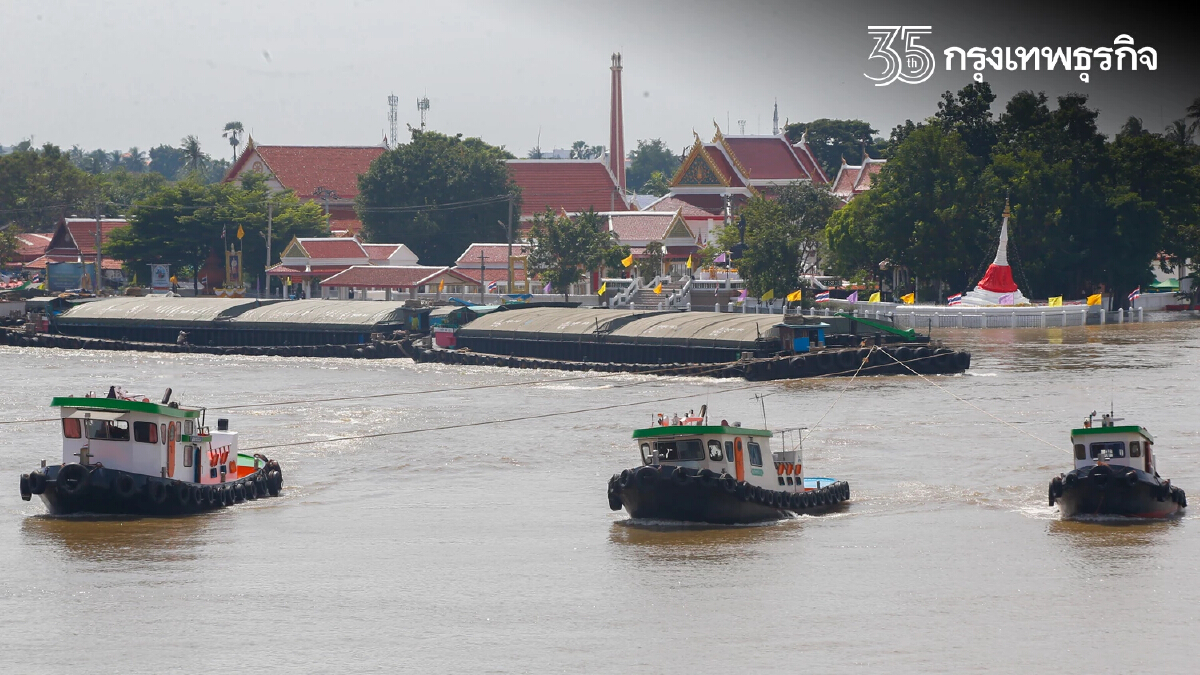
(616, 127)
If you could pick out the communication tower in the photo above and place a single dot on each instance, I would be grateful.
(393, 118)
(742, 126)
(423, 107)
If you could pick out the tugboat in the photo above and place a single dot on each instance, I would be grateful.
(125, 455)
(723, 474)
(1114, 475)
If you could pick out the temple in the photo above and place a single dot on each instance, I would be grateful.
(997, 286)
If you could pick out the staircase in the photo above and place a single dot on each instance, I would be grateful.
(646, 299)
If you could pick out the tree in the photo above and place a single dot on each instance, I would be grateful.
(233, 131)
(782, 236)
(534, 153)
(1132, 127)
(581, 150)
(167, 161)
(8, 244)
(40, 186)
(657, 185)
(437, 194)
(1193, 114)
(650, 156)
(120, 189)
(650, 264)
(831, 141)
(565, 248)
(1179, 133)
(193, 156)
(970, 114)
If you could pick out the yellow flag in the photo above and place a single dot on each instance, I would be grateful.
(795, 296)
(287, 281)
(441, 284)
(1055, 302)
(628, 262)
(658, 288)
(874, 297)
(909, 299)
(241, 232)
(1094, 299)
(603, 287)
(689, 263)
(769, 295)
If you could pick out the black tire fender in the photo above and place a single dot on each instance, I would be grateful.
(72, 479)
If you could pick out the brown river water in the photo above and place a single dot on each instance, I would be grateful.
(491, 549)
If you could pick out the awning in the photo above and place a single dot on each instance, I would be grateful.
(97, 415)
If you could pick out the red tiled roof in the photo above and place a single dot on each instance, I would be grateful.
(40, 263)
(573, 185)
(30, 246)
(490, 274)
(282, 270)
(350, 226)
(333, 247)
(870, 170)
(370, 276)
(809, 164)
(493, 254)
(846, 178)
(78, 235)
(718, 157)
(641, 225)
(303, 168)
(674, 203)
(766, 158)
(380, 251)
(709, 203)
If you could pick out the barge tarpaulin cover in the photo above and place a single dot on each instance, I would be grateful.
(232, 321)
(621, 335)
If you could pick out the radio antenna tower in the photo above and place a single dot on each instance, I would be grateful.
(423, 106)
(393, 118)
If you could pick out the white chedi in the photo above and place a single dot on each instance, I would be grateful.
(997, 287)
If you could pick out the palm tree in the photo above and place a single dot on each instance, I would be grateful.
(1178, 133)
(192, 155)
(233, 131)
(136, 160)
(1193, 113)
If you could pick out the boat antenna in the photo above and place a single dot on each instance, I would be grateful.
(763, 404)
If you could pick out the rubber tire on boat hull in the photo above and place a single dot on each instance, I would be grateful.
(114, 492)
(1101, 491)
(685, 495)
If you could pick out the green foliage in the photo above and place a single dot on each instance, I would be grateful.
(651, 156)
(400, 194)
(39, 187)
(970, 115)
(167, 161)
(581, 150)
(833, 140)
(657, 185)
(783, 235)
(564, 248)
(120, 188)
(651, 263)
(181, 224)
(8, 244)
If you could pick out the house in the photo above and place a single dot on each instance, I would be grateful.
(639, 228)
(71, 254)
(412, 279)
(493, 258)
(852, 181)
(30, 247)
(324, 174)
(311, 260)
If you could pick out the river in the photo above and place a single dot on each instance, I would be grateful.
(491, 549)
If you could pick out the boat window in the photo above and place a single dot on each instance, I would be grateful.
(714, 451)
(1080, 451)
(728, 449)
(107, 430)
(71, 428)
(1117, 448)
(1135, 449)
(162, 434)
(646, 456)
(187, 428)
(145, 432)
(680, 451)
(755, 453)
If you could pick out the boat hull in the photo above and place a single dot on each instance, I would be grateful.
(1115, 491)
(74, 489)
(670, 493)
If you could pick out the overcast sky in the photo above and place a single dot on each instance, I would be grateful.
(123, 73)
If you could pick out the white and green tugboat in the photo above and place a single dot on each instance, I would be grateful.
(718, 473)
(126, 455)
(1115, 474)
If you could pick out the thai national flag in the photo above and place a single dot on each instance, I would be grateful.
(954, 300)
(493, 287)
(1137, 293)
(823, 297)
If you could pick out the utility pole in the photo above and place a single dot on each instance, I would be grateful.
(99, 235)
(482, 278)
(510, 243)
(270, 213)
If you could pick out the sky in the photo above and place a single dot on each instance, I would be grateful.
(128, 73)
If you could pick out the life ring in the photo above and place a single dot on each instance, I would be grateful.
(156, 492)
(124, 486)
(72, 479)
(37, 483)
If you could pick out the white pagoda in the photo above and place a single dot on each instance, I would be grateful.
(997, 286)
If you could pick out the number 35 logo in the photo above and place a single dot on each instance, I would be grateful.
(914, 67)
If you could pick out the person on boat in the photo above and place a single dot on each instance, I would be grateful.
(674, 419)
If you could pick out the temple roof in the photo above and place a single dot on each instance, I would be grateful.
(304, 168)
(572, 185)
(494, 255)
(853, 180)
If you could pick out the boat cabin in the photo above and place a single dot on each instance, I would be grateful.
(130, 433)
(1108, 444)
(745, 453)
